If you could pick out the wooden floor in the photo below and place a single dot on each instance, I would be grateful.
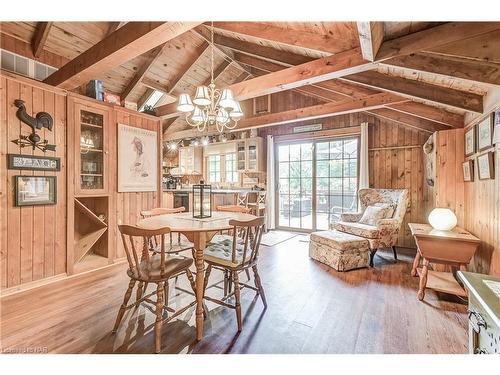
(311, 310)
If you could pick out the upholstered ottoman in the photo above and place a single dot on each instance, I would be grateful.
(341, 251)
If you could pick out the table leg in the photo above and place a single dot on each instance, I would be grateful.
(199, 245)
(423, 280)
(416, 263)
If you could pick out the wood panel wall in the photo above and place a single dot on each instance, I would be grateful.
(129, 205)
(32, 238)
(482, 217)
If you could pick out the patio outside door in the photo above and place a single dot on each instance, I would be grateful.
(317, 180)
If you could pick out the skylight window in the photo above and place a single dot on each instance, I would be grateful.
(152, 100)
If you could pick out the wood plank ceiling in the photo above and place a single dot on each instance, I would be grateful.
(433, 72)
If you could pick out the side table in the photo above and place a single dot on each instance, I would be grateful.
(455, 248)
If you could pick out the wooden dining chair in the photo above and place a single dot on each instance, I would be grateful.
(234, 256)
(157, 268)
(173, 246)
(233, 208)
(258, 207)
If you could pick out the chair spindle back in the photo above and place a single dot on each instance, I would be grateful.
(135, 239)
(251, 233)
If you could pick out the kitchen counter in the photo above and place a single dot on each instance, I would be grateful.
(214, 191)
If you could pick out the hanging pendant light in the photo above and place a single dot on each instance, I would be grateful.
(211, 106)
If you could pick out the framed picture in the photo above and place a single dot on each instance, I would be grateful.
(137, 159)
(485, 165)
(34, 163)
(485, 133)
(496, 126)
(35, 190)
(468, 168)
(470, 141)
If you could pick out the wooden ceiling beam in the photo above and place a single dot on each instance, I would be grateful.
(408, 120)
(311, 90)
(129, 41)
(40, 37)
(203, 33)
(431, 113)
(303, 39)
(113, 26)
(318, 111)
(218, 72)
(187, 67)
(421, 90)
(339, 89)
(478, 71)
(433, 37)
(324, 69)
(371, 36)
(151, 58)
(261, 52)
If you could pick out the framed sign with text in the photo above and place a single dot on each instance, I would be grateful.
(33, 163)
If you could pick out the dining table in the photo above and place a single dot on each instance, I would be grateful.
(199, 232)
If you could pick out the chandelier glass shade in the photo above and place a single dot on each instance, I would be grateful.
(210, 105)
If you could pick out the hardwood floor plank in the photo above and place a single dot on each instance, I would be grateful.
(312, 309)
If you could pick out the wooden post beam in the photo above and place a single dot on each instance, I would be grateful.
(421, 90)
(40, 37)
(371, 35)
(129, 41)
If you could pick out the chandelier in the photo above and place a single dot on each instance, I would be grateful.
(211, 106)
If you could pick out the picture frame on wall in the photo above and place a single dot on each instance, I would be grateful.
(485, 133)
(470, 141)
(35, 190)
(468, 168)
(137, 159)
(485, 166)
(496, 127)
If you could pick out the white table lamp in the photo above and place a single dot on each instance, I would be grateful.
(442, 219)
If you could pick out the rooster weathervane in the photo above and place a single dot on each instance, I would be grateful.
(41, 120)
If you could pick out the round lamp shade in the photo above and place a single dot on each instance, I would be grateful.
(442, 219)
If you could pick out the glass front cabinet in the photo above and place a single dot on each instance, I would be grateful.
(91, 150)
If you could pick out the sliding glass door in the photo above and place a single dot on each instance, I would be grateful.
(317, 180)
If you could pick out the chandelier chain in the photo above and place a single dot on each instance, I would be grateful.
(212, 55)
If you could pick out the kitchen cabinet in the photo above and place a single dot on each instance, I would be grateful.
(250, 154)
(191, 160)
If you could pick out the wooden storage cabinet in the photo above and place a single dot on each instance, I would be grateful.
(191, 159)
(91, 150)
(89, 185)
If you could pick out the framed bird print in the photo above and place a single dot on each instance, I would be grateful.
(485, 133)
(470, 141)
(468, 168)
(137, 159)
(496, 126)
(485, 166)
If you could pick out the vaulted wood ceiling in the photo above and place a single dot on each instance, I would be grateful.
(433, 73)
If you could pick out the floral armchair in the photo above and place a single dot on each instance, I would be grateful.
(385, 233)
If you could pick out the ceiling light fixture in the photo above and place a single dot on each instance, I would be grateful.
(211, 106)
